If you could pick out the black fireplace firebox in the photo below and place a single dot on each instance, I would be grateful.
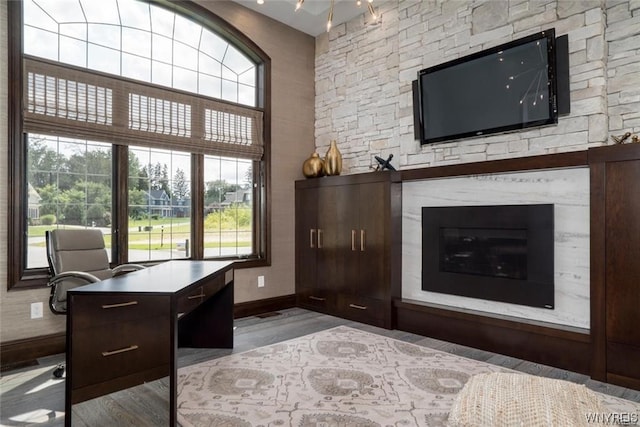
(499, 253)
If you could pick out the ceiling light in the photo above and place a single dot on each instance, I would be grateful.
(372, 11)
(330, 17)
(370, 7)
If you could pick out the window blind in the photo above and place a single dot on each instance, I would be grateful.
(66, 101)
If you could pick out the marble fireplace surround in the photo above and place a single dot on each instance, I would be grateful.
(567, 189)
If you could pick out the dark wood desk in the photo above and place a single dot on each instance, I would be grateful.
(126, 330)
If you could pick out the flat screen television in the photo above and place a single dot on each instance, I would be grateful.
(505, 88)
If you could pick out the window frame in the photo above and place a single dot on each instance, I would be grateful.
(18, 276)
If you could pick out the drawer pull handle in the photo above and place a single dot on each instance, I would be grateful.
(122, 304)
(201, 295)
(317, 298)
(359, 307)
(121, 350)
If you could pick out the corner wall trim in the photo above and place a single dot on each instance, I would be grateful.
(252, 308)
(544, 161)
(22, 350)
(568, 348)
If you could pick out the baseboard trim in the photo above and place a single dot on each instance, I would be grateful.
(24, 350)
(562, 348)
(252, 308)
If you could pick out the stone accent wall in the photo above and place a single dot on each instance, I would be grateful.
(364, 74)
(357, 90)
(623, 66)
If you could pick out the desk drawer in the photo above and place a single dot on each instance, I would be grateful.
(192, 297)
(214, 286)
(187, 301)
(98, 310)
(112, 351)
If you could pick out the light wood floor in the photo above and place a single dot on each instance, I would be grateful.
(31, 396)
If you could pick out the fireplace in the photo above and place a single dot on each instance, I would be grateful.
(499, 253)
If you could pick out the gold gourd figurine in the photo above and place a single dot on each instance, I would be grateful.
(313, 167)
(333, 160)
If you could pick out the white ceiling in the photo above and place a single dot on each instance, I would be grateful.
(312, 17)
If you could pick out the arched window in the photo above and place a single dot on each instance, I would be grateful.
(143, 119)
(139, 41)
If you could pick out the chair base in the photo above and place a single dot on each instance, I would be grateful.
(59, 371)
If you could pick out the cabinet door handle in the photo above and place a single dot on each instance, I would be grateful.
(362, 244)
(353, 240)
(359, 307)
(312, 238)
(121, 350)
(317, 298)
(319, 238)
(122, 304)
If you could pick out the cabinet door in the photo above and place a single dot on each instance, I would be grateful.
(347, 229)
(372, 240)
(331, 262)
(622, 213)
(306, 237)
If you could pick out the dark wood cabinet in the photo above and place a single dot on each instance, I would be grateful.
(615, 264)
(348, 245)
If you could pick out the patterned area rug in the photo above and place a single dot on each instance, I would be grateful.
(338, 377)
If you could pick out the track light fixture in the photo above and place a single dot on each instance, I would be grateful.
(372, 11)
(330, 17)
(370, 7)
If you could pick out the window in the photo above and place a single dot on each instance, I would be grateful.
(228, 209)
(71, 180)
(159, 208)
(144, 119)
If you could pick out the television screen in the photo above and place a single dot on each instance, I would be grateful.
(501, 89)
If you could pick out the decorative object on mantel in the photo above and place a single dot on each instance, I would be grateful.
(384, 164)
(333, 160)
(313, 167)
(622, 138)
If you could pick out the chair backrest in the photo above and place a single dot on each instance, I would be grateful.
(78, 250)
(74, 253)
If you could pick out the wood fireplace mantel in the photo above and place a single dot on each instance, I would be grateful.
(609, 350)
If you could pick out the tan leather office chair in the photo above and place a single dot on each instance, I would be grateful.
(77, 258)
